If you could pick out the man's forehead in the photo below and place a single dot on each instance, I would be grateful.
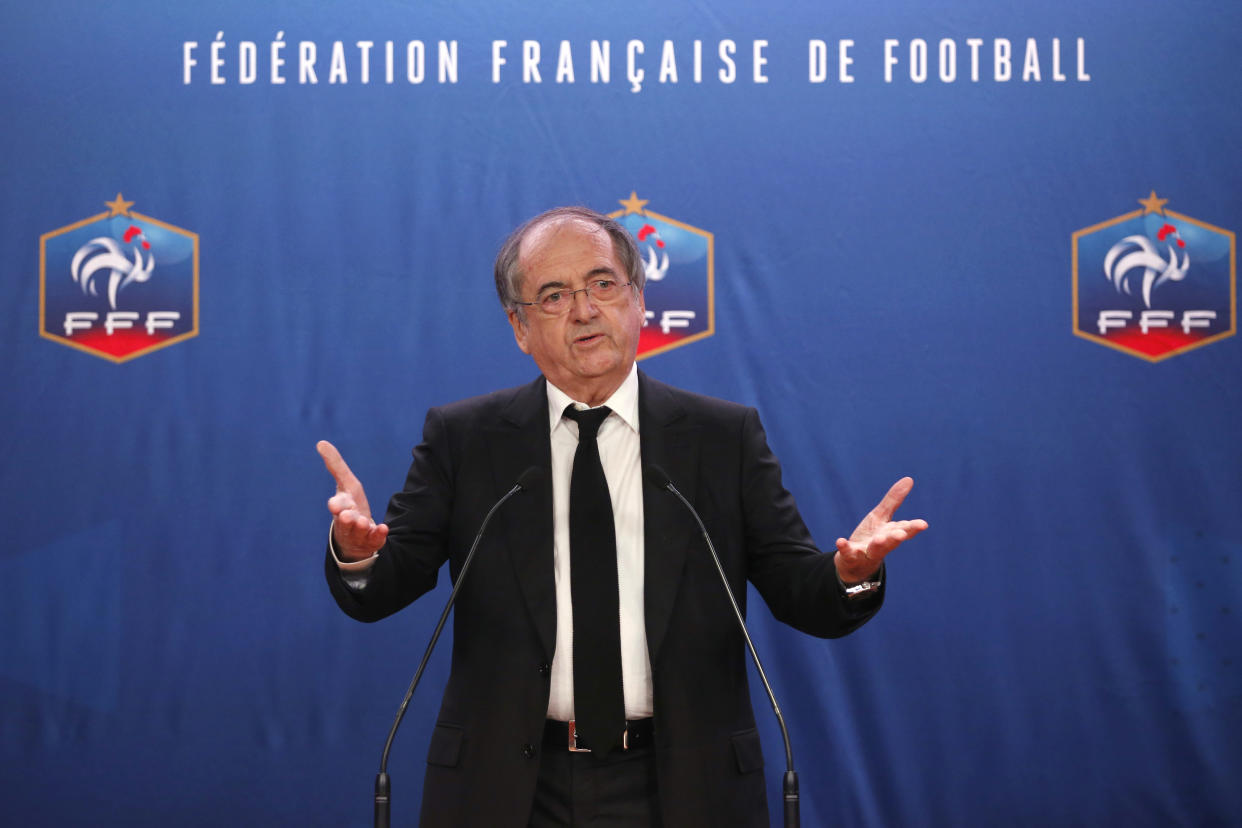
(564, 237)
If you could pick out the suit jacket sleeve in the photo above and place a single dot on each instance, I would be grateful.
(797, 581)
(418, 520)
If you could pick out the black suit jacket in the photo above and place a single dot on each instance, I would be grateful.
(483, 758)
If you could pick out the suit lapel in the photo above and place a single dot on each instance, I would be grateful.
(671, 442)
(519, 441)
(522, 439)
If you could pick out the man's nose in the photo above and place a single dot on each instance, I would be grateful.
(584, 306)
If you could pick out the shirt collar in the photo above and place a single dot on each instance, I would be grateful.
(623, 402)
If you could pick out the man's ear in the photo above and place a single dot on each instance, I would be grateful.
(518, 322)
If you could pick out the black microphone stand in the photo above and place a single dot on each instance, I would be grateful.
(661, 480)
(382, 785)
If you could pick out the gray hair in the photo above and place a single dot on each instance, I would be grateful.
(508, 271)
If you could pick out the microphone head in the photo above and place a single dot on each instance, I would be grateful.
(656, 476)
(530, 478)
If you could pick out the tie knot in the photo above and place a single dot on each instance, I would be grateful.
(588, 420)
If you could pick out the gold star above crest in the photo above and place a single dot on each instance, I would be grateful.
(1152, 204)
(633, 204)
(119, 207)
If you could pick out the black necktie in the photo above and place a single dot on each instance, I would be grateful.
(599, 704)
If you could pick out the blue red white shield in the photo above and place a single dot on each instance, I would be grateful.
(679, 293)
(1154, 283)
(119, 284)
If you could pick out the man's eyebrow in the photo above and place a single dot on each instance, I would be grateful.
(547, 285)
(598, 271)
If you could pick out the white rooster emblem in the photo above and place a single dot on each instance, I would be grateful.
(656, 269)
(104, 255)
(1139, 253)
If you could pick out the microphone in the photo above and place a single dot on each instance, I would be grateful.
(526, 480)
(656, 476)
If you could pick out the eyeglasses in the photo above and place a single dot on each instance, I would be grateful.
(554, 301)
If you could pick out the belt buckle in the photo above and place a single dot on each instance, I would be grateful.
(573, 739)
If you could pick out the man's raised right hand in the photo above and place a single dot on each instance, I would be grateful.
(356, 536)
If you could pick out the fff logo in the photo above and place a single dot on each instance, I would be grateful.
(1154, 283)
(119, 284)
(679, 262)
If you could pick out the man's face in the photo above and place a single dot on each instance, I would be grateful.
(587, 352)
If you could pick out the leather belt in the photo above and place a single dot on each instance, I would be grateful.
(638, 734)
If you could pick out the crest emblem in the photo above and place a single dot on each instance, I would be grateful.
(679, 292)
(118, 285)
(1154, 283)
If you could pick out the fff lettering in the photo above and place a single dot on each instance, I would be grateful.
(1148, 319)
(119, 320)
(670, 319)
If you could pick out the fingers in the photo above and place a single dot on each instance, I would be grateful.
(850, 553)
(356, 535)
(860, 556)
(855, 562)
(891, 535)
(864, 555)
(336, 465)
(342, 502)
(349, 513)
(354, 532)
(885, 541)
(378, 536)
(867, 553)
(896, 495)
(346, 482)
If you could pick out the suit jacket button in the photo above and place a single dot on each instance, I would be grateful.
(545, 669)
(528, 751)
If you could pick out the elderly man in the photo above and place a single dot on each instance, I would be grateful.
(598, 676)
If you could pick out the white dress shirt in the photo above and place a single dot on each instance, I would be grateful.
(620, 454)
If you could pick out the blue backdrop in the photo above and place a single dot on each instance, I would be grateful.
(907, 279)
